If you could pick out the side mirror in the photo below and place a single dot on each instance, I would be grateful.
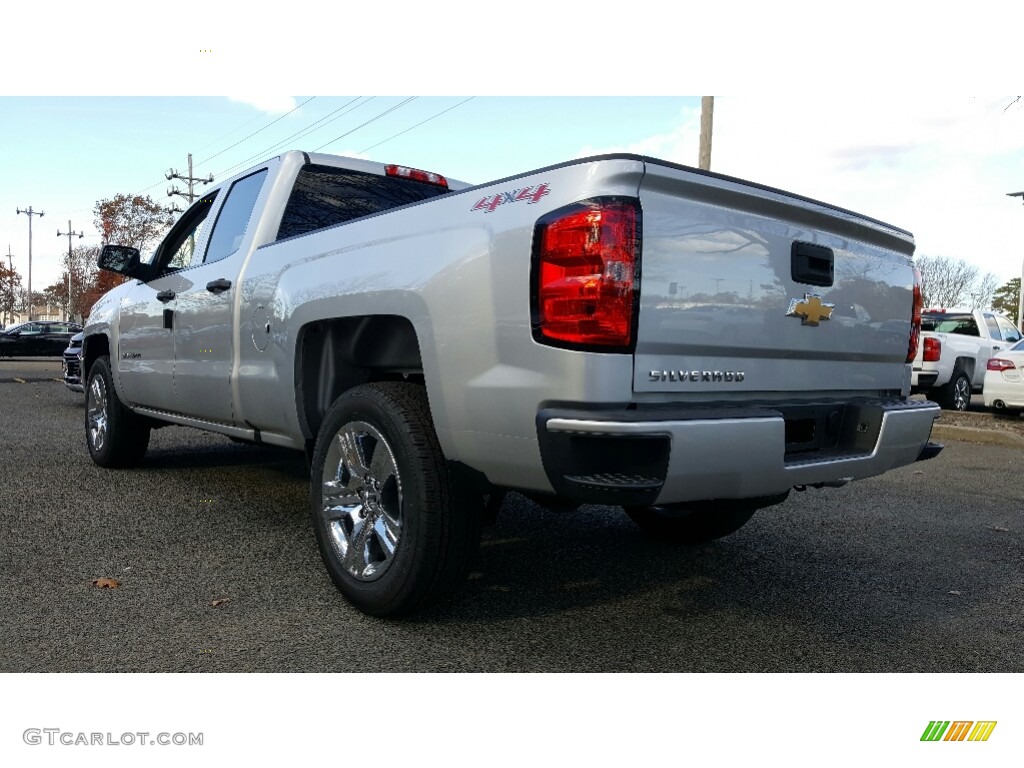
(124, 260)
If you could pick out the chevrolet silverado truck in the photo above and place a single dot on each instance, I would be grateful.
(613, 330)
(956, 345)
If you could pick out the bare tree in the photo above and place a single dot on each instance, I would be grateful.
(952, 282)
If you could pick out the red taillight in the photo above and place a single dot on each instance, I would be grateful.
(1000, 364)
(932, 349)
(586, 273)
(416, 175)
(915, 317)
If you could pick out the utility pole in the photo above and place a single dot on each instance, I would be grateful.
(10, 263)
(190, 180)
(30, 213)
(707, 111)
(69, 234)
(1020, 293)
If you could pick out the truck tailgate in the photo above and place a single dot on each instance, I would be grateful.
(745, 289)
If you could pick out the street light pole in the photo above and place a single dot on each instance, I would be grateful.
(30, 213)
(1020, 293)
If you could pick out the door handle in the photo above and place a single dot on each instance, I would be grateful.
(165, 296)
(218, 286)
(812, 264)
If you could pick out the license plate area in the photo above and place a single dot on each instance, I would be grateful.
(815, 427)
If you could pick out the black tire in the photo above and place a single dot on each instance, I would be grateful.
(698, 522)
(402, 530)
(954, 395)
(115, 436)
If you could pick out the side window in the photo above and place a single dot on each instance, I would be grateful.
(1009, 332)
(234, 217)
(177, 248)
(993, 327)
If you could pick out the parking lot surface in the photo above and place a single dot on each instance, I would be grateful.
(210, 542)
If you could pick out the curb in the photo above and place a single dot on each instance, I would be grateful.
(975, 435)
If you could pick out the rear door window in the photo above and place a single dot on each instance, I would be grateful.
(993, 327)
(1009, 332)
(234, 215)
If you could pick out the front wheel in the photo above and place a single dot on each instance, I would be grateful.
(396, 530)
(698, 522)
(116, 436)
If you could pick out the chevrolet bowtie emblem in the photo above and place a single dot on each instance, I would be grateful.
(811, 310)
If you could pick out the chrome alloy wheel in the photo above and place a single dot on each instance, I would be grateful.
(362, 500)
(96, 408)
(961, 394)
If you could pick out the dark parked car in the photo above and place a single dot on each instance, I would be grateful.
(73, 364)
(39, 337)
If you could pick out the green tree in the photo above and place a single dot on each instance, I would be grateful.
(1006, 299)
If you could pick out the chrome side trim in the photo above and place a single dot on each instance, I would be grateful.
(223, 429)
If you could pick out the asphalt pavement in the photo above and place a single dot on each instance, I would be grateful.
(921, 570)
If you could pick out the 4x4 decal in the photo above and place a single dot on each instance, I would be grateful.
(531, 194)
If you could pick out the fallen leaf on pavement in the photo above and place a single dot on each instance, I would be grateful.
(106, 583)
(220, 601)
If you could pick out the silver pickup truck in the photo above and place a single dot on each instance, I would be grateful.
(613, 330)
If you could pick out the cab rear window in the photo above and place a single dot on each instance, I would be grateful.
(324, 196)
(947, 322)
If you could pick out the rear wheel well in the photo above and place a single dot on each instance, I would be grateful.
(337, 354)
(965, 364)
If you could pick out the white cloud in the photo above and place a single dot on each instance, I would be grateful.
(275, 104)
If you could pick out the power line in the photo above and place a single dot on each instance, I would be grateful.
(389, 138)
(282, 117)
(154, 186)
(399, 105)
(302, 132)
(233, 130)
